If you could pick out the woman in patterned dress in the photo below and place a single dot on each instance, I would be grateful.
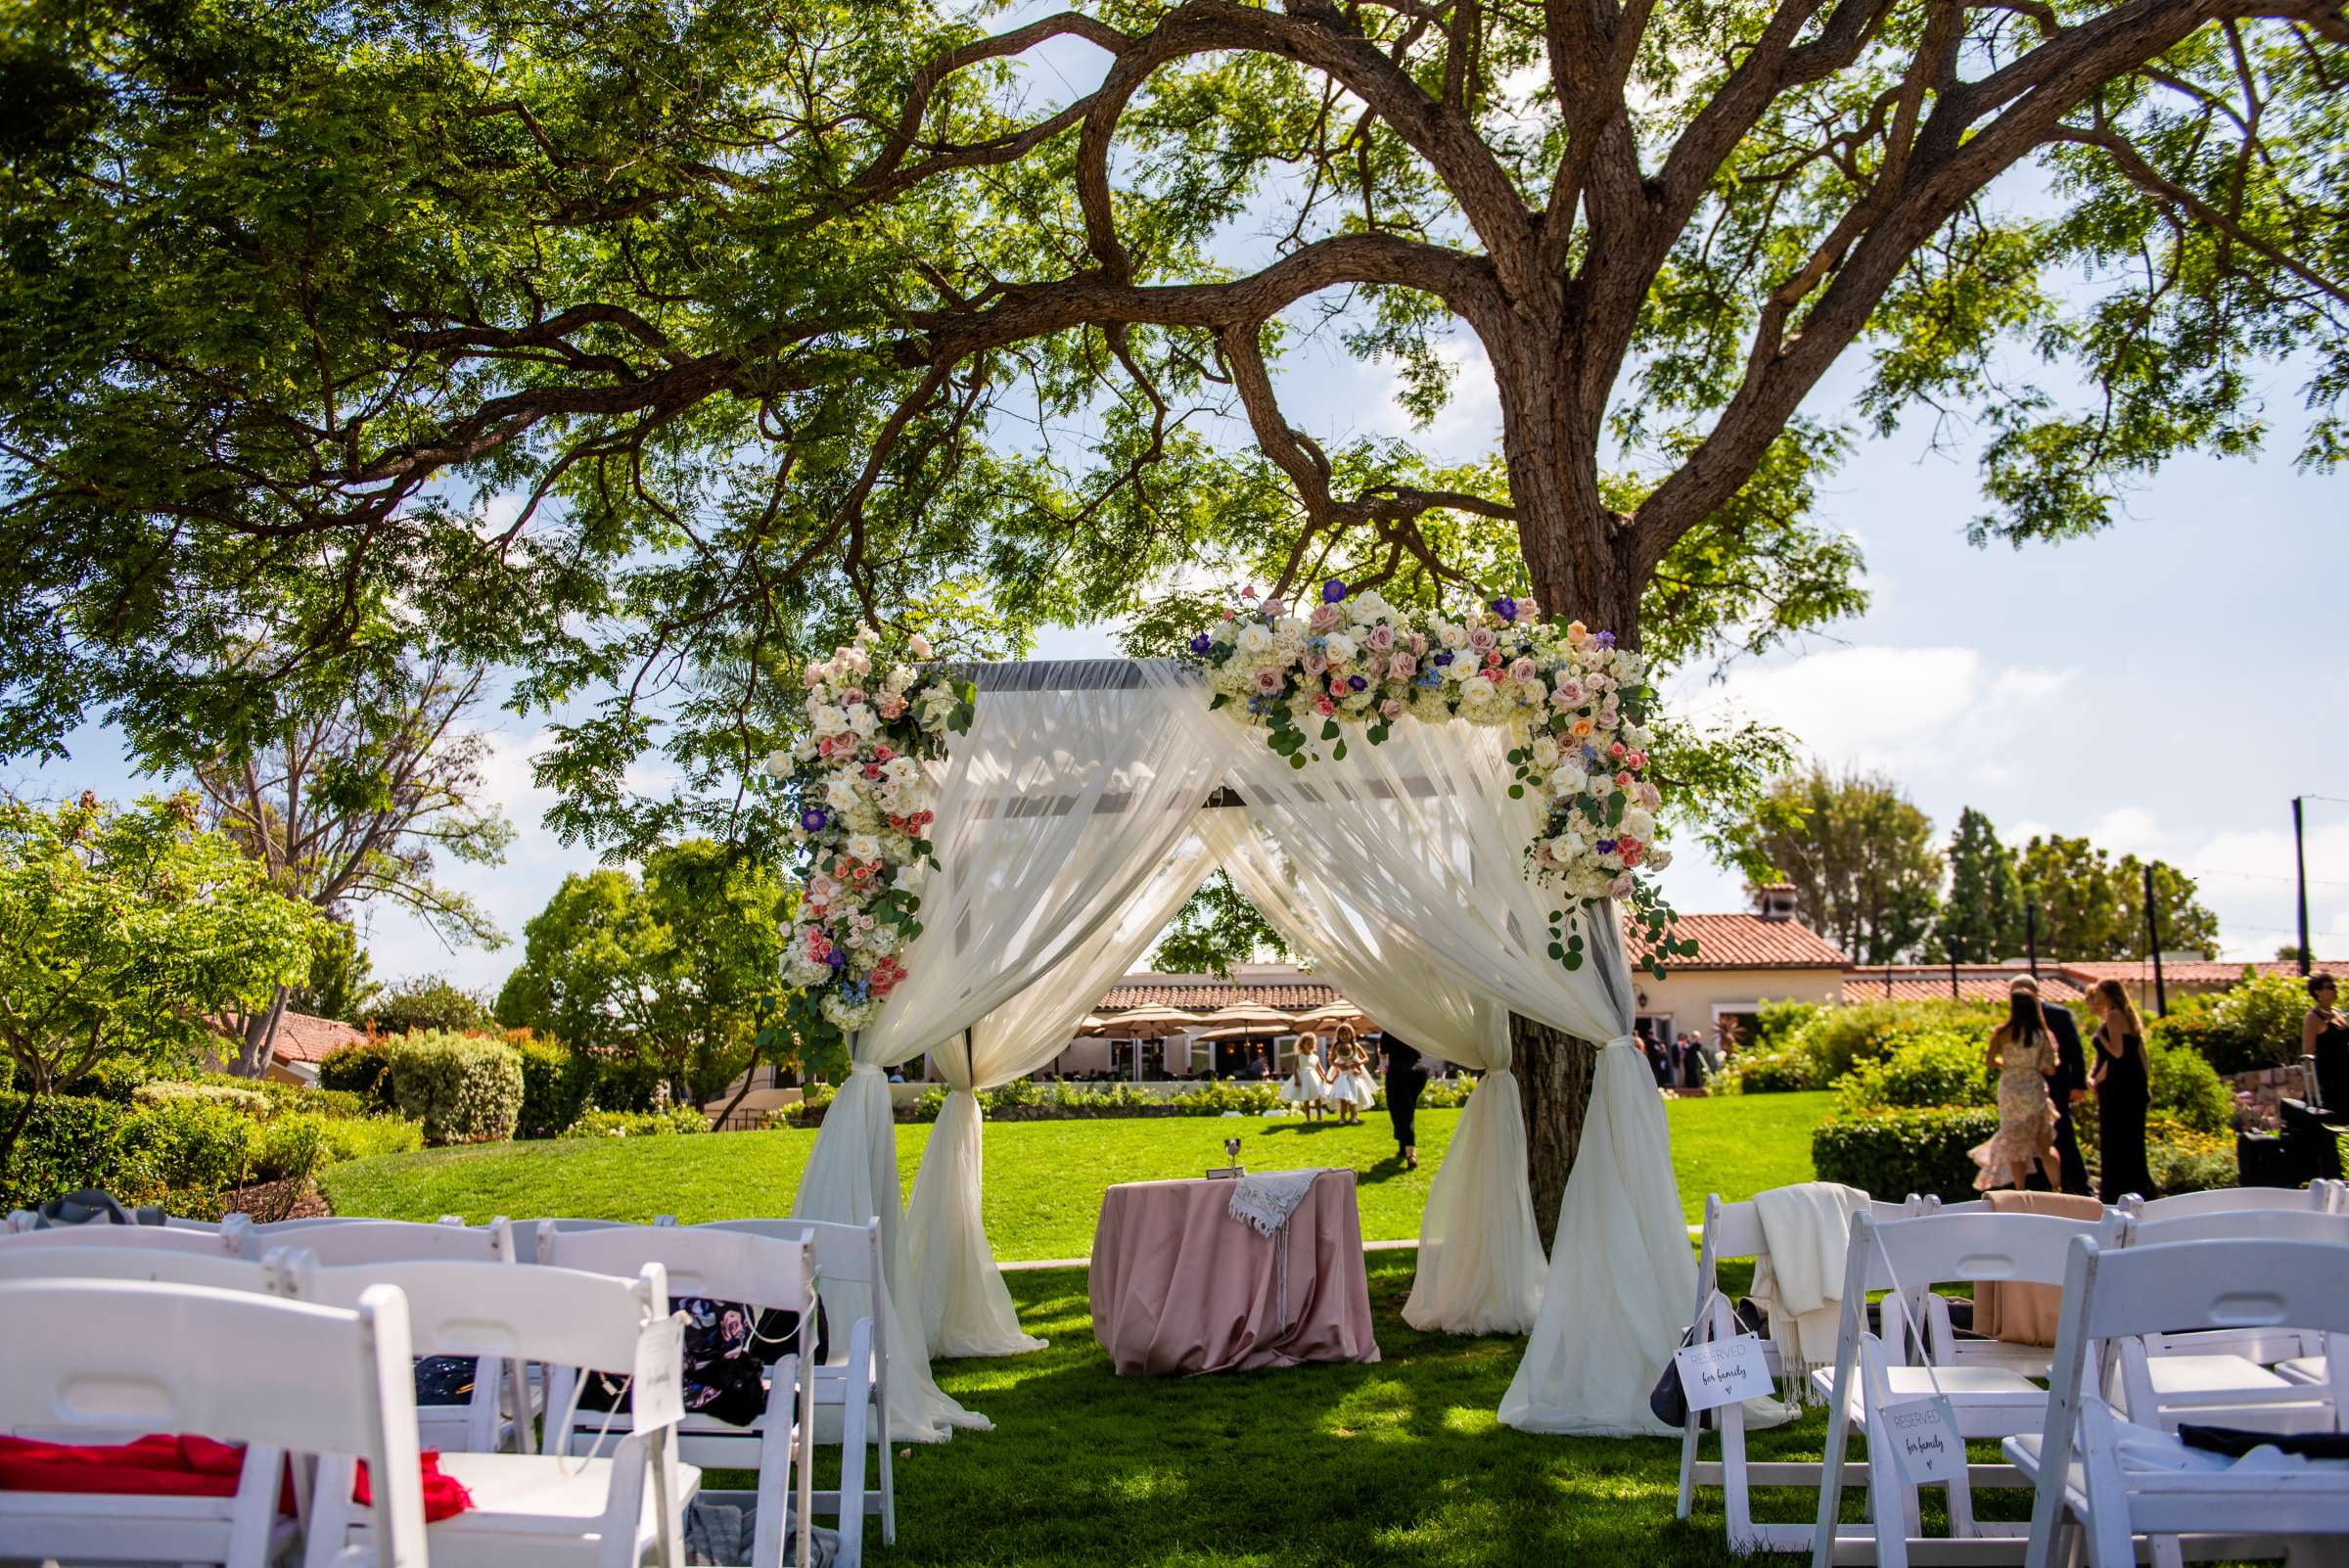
(2022, 1053)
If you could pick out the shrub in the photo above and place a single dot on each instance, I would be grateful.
(2181, 1159)
(1892, 1153)
(363, 1069)
(186, 1145)
(291, 1148)
(363, 1139)
(431, 1004)
(555, 1084)
(1778, 1022)
(2188, 1087)
(1783, 1072)
(815, 1100)
(2255, 1025)
(623, 1083)
(1841, 1038)
(72, 1141)
(241, 1098)
(1937, 1070)
(465, 1089)
(637, 1124)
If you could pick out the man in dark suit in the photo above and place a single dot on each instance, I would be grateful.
(2068, 1085)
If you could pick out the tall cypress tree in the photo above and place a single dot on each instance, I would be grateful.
(1983, 920)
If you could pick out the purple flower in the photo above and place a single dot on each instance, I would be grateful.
(1505, 608)
(1606, 846)
(1201, 643)
(814, 818)
(1605, 639)
(1333, 590)
(1357, 683)
(837, 959)
(1443, 658)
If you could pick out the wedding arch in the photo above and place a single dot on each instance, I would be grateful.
(994, 845)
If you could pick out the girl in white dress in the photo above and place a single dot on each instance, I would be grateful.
(1307, 1087)
(1352, 1089)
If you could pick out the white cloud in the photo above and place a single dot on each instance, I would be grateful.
(1911, 712)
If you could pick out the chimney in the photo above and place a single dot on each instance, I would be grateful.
(1775, 902)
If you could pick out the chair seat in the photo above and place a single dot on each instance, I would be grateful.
(530, 1494)
(2152, 1459)
(1964, 1385)
(2208, 1374)
(2303, 1369)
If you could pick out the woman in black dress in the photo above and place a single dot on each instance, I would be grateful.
(2124, 1086)
(2325, 1035)
(1405, 1078)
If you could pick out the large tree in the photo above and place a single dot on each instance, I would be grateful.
(125, 932)
(354, 799)
(1862, 860)
(757, 313)
(2091, 904)
(1982, 918)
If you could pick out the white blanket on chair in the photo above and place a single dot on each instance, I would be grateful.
(1799, 1281)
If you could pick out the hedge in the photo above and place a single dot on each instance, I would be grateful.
(556, 1084)
(1787, 1072)
(1890, 1154)
(362, 1068)
(637, 1124)
(464, 1088)
(71, 1142)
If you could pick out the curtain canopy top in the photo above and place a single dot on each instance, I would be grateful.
(1079, 674)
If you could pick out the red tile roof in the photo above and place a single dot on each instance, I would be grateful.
(1749, 942)
(1206, 997)
(1931, 982)
(2218, 972)
(300, 1037)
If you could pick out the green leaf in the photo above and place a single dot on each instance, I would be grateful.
(1338, 753)
(1329, 729)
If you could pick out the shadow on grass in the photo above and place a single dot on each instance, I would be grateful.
(1399, 1462)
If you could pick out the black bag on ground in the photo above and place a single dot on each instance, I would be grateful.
(90, 1206)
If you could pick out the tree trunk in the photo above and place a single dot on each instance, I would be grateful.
(1582, 566)
(1553, 1077)
(261, 1038)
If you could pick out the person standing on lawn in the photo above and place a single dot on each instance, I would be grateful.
(2068, 1085)
(2123, 1092)
(2325, 1035)
(1405, 1078)
(2022, 1053)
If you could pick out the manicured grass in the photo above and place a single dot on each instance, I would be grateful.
(1044, 1179)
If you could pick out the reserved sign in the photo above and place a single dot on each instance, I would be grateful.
(1722, 1372)
(658, 1396)
(1924, 1439)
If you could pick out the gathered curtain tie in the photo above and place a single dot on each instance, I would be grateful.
(873, 1068)
(1631, 1040)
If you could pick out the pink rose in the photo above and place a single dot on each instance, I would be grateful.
(1324, 707)
(892, 706)
(1276, 608)
(1570, 691)
(1636, 759)
(1402, 667)
(1621, 887)
(1418, 645)
(1616, 750)
(1324, 616)
(1482, 638)
(1622, 781)
(1268, 682)
(1381, 638)
(1522, 670)
(1249, 592)
(1391, 709)
(852, 697)
(1315, 664)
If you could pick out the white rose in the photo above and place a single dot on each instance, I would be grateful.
(1545, 752)
(777, 764)
(920, 645)
(1638, 736)
(1221, 631)
(862, 719)
(1255, 640)
(1639, 824)
(1570, 781)
(864, 846)
(909, 876)
(840, 795)
(899, 769)
(1453, 636)
(1567, 846)
(1340, 648)
(827, 720)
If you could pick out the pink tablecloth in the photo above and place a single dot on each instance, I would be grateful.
(1179, 1286)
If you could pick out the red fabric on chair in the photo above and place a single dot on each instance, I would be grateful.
(166, 1465)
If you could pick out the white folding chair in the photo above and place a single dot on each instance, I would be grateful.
(226, 1242)
(2233, 1377)
(2319, 1196)
(497, 1411)
(2092, 1467)
(1872, 1372)
(1734, 1230)
(528, 1509)
(162, 1265)
(854, 1378)
(117, 1360)
(758, 1272)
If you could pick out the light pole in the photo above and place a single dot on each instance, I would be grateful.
(2300, 879)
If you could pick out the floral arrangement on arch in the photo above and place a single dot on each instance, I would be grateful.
(864, 823)
(1576, 704)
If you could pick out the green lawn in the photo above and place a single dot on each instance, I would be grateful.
(1044, 1179)
(1402, 1463)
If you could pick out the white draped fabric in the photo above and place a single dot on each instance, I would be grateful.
(965, 1308)
(1422, 830)
(1480, 1263)
(1074, 786)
